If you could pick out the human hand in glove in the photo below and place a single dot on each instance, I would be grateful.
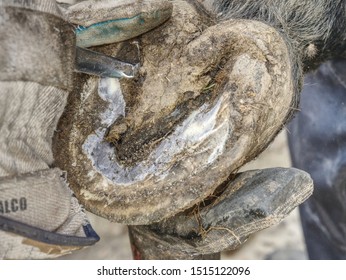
(39, 215)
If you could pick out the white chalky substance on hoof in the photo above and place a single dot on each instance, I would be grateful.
(204, 102)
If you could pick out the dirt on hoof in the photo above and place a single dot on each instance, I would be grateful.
(208, 97)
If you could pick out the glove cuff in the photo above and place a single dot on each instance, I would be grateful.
(40, 210)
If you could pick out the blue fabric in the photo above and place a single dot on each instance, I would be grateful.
(317, 142)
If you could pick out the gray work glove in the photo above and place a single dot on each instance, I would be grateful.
(39, 215)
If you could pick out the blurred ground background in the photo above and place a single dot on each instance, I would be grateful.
(283, 241)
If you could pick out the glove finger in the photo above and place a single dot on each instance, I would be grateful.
(105, 22)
